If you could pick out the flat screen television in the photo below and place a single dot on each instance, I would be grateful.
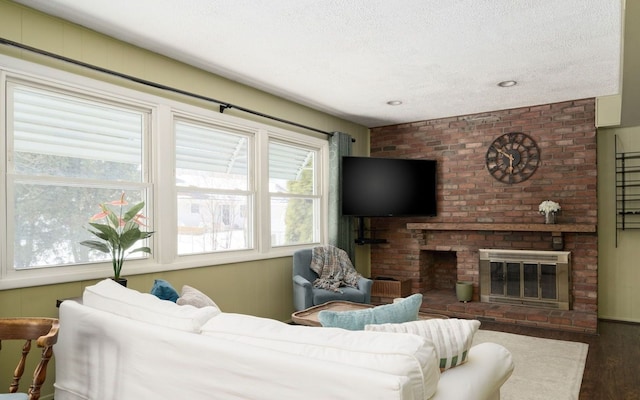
(388, 187)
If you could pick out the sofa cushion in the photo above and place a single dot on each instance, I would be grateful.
(407, 356)
(164, 291)
(452, 337)
(401, 311)
(194, 297)
(114, 298)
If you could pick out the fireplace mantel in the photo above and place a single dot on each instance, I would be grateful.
(470, 226)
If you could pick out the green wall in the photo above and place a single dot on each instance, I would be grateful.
(260, 288)
(618, 271)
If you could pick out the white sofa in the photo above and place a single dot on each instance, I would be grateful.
(119, 344)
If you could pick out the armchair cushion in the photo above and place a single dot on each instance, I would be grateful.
(14, 396)
(321, 296)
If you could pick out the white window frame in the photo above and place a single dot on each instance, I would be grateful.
(252, 133)
(161, 208)
(316, 195)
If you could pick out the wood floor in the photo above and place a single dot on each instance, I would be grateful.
(612, 371)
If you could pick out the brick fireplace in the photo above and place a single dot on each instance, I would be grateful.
(476, 211)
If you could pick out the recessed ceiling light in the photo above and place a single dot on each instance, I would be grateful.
(394, 102)
(507, 83)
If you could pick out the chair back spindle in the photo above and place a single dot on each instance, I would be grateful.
(44, 331)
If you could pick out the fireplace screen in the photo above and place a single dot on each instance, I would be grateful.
(535, 278)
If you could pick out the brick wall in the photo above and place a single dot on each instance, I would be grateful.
(566, 135)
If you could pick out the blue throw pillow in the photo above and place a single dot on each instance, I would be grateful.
(163, 290)
(403, 311)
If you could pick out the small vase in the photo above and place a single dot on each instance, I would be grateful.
(464, 291)
(550, 218)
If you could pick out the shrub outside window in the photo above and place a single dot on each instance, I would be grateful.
(294, 193)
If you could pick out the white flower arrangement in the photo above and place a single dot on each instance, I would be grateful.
(548, 206)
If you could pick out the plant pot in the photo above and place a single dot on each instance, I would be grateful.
(121, 280)
(464, 291)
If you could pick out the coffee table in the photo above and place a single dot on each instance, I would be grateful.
(309, 317)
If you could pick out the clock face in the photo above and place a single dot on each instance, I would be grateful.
(513, 157)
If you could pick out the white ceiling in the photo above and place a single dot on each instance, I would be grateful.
(349, 57)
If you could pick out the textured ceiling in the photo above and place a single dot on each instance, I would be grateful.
(349, 57)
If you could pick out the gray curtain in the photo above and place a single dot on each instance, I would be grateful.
(341, 230)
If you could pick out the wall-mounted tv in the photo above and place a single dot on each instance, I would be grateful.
(388, 187)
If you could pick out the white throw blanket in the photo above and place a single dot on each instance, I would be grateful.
(334, 268)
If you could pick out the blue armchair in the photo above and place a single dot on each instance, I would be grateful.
(305, 295)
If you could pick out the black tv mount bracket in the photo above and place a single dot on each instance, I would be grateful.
(361, 240)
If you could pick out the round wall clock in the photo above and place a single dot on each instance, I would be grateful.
(513, 157)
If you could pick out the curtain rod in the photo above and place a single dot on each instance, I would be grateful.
(223, 104)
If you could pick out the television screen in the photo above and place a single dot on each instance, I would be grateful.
(388, 187)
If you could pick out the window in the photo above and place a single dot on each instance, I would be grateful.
(67, 153)
(294, 193)
(214, 188)
(218, 189)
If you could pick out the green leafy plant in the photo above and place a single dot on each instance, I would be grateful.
(120, 231)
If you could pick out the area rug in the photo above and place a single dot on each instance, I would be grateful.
(544, 368)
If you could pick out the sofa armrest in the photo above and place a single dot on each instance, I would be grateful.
(302, 293)
(488, 367)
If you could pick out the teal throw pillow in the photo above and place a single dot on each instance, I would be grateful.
(164, 291)
(403, 311)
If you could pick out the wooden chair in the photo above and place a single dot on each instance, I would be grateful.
(45, 332)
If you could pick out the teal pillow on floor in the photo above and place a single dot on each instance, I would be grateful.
(403, 311)
(164, 291)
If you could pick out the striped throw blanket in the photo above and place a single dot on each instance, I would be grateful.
(334, 269)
